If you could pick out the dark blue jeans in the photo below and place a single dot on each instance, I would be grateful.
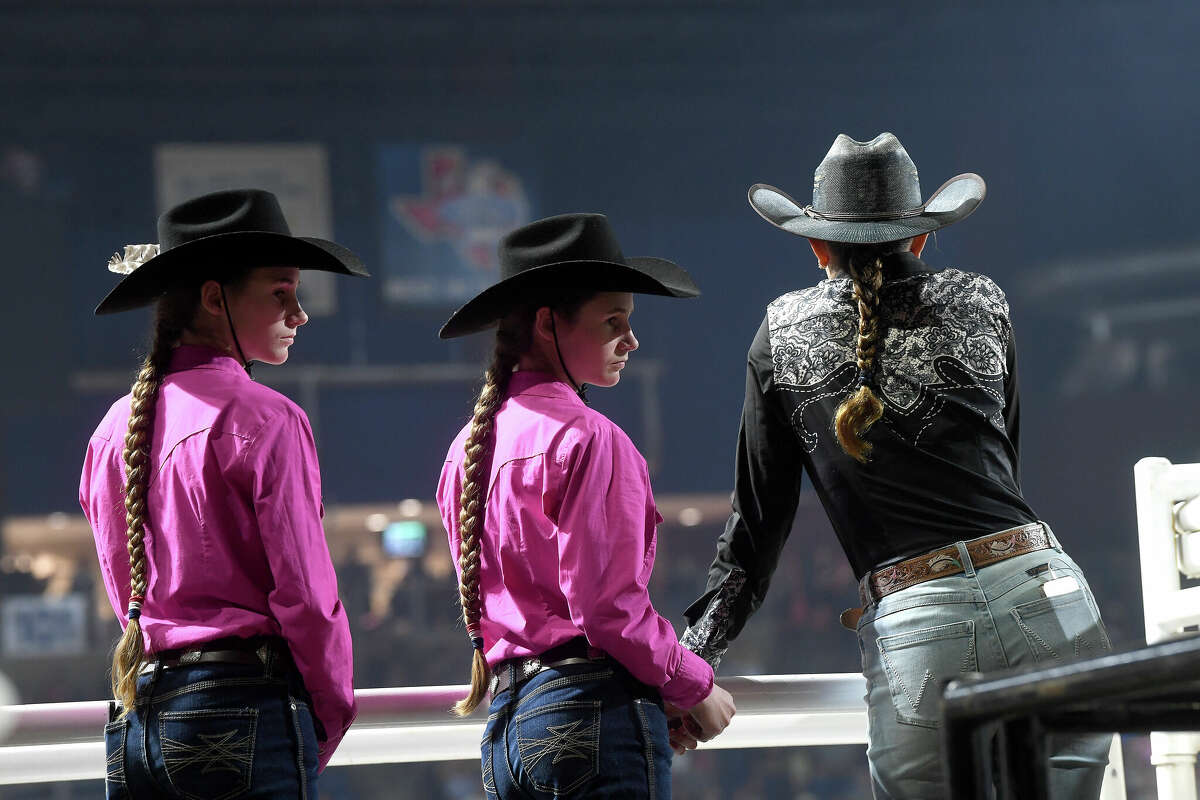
(582, 730)
(212, 731)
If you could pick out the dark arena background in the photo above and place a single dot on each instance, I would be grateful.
(416, 132)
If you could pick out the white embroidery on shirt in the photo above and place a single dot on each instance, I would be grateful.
(946, 332)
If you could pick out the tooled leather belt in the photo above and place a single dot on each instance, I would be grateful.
(944, 561)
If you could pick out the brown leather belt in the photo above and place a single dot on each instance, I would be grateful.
(944, 562)
(516, 671)
(229, 650)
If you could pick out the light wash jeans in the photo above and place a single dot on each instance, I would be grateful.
(915, 640)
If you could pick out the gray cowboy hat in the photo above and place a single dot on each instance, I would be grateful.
(567, 252)
(212, 235)
(867, 193)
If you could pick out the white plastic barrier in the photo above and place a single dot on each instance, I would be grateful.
(1168, 513)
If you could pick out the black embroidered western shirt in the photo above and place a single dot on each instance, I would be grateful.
(943, 466)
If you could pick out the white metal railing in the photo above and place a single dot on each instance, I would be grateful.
(61, 741)
(1168, 513)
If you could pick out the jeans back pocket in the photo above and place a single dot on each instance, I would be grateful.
(114, 753)
(208, 754)
(919, 663)
(559, 744)
(1063, 627)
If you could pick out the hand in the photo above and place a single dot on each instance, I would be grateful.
(682, 729)
(711, 716)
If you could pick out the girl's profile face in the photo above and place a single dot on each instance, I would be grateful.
(596, 344)
(266, 313)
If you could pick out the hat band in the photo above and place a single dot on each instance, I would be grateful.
(809, 211)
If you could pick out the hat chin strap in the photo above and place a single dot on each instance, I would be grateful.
(233, 332)
(580, 388)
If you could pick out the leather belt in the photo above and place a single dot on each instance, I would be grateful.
(515, 671)
(220, 651)
(944, 562)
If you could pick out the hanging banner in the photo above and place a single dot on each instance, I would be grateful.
(298, 174)
(445, 208)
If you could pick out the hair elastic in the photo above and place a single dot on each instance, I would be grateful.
(135, 607)
(476, 637)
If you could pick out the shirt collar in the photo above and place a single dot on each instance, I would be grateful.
(194, 356)
(895, 266)
(902, 265)
(542, 384)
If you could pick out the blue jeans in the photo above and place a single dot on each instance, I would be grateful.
(915, 640)
(581, 730)
(208, 731)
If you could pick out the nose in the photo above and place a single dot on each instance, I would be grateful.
(630, 341)
(297, 316)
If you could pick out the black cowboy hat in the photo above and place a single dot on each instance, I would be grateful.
(867, 193)
(211, 235)
(570, 252)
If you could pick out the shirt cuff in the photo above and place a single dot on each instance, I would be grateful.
(691, 683)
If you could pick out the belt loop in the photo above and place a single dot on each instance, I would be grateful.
(965, 559)
(865, 597)
(511, 666)
(266, 654)
(1050, 535)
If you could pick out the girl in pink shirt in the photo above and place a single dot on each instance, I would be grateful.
(548, 505)
(233, 675)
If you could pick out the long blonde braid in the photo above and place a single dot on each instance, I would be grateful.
(511, 340)
(863, 408)
(171, 316)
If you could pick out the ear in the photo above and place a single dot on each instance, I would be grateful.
(918, 244)
(821, 250)
(543, 325)
(210, 299)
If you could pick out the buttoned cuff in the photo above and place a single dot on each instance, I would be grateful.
(692, 682)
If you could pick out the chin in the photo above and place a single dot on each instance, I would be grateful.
(274, 359)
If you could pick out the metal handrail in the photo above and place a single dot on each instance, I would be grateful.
(63, 741)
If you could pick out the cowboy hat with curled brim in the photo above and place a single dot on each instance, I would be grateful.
(868, 193)
(215, 235)
(569, 252)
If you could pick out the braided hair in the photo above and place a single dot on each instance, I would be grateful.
(863, 408)
(514, 338)
(172, 315)
(175, 312)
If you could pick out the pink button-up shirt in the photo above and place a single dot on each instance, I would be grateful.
(568, 539)
(234, 543)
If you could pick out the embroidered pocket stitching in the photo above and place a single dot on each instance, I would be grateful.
(114, 767)
(569, 740)
(220, 752)
(941, 633)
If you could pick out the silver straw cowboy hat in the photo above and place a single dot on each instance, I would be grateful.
(867, 193)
